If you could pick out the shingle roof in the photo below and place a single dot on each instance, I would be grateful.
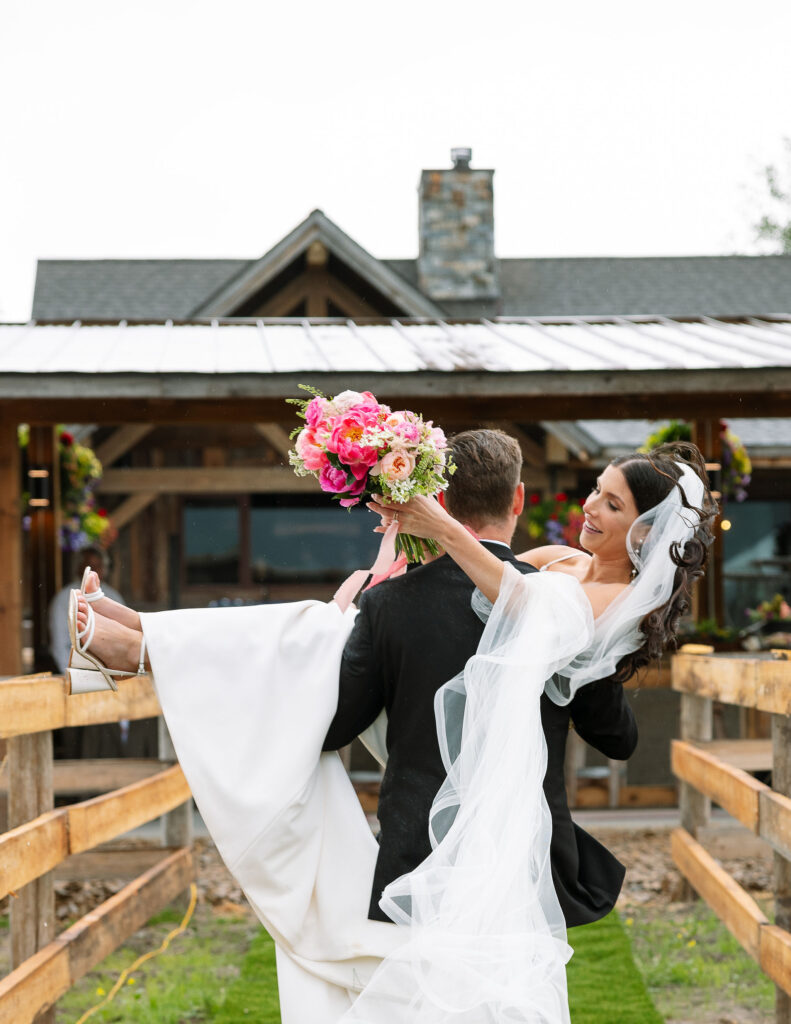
(119, 289)
(717, 286)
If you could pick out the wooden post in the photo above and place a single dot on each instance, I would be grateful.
(30, 794)
(696, 724)
(45, 559)
(709, 592)
(781, 783)
(176, 824)
(10, 552)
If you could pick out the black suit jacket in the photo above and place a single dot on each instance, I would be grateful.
(411, 635)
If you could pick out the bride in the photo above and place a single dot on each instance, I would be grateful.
(248, 694)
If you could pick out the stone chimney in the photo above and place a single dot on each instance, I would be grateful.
(456, 259)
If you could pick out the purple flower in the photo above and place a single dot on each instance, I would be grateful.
(554, 531)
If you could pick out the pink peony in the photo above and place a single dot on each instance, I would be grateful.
(346, 438)
(357, 488)
(309, 450)
(316, 412)
(396, 465)
(333, 480)
(405, 430)
(437, 438)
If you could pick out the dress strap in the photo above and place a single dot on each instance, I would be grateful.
(562, 558)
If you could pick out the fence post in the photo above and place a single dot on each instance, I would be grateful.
(176, 824)
(781, 783)
(696, 724)
(30, 794)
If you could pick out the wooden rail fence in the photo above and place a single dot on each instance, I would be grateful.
(712, 770)
(41, 837)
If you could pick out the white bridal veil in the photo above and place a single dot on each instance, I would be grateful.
(487, 940)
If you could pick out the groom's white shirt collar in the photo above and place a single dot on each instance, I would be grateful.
(488, 540)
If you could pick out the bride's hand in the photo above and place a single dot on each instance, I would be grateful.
(419, 517)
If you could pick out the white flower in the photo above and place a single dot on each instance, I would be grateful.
(346, 400)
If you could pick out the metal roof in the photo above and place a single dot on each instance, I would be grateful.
(503, 345)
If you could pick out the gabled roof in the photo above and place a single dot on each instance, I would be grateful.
(317, 228)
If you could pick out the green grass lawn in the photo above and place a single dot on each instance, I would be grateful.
(605, 986)
(223, 970)
(692, 964)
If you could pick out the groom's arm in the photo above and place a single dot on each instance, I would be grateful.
(603, 718)
(360, 689)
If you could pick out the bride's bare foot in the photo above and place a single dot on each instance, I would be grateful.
(115, 644)
(112, 609)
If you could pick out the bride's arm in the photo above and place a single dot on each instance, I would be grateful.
(425, 517)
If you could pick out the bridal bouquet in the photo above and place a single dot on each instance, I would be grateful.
(356, 446)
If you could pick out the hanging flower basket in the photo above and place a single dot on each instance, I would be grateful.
(555, 520)
(84, 523)
(736, 466)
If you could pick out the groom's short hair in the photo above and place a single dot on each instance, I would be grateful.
(488, 471)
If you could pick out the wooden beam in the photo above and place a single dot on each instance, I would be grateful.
(283, 302)
(781, 782)
(277, 437)
(775, 961)
(750, 755)
(733, 789)
(120, 442)
(532, 451)
(740, 914)
(207, 480)
(457, 397)
(131, 508)
(98, 775)
(10, 552)
(348, 301)
(29, 796)
(38, 983)
(108, 863)
(751, 681)
(44, 559)
(105, 817)
(31, 704)
(31, 850)
(775, 822)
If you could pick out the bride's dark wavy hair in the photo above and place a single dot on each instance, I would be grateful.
(651, 476)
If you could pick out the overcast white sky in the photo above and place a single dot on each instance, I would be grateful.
(187, 128)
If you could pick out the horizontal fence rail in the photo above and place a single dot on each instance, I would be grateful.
(30, 704)
(44, 840)
(718, 770)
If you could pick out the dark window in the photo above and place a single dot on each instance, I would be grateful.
(211, 538)
(306, 539)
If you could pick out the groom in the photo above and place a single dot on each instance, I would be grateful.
(414, 633)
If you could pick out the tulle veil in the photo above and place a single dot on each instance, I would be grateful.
(487, 940)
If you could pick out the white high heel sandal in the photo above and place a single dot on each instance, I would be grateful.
(86, 673)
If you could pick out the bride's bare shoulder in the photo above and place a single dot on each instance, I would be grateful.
(548, 553)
